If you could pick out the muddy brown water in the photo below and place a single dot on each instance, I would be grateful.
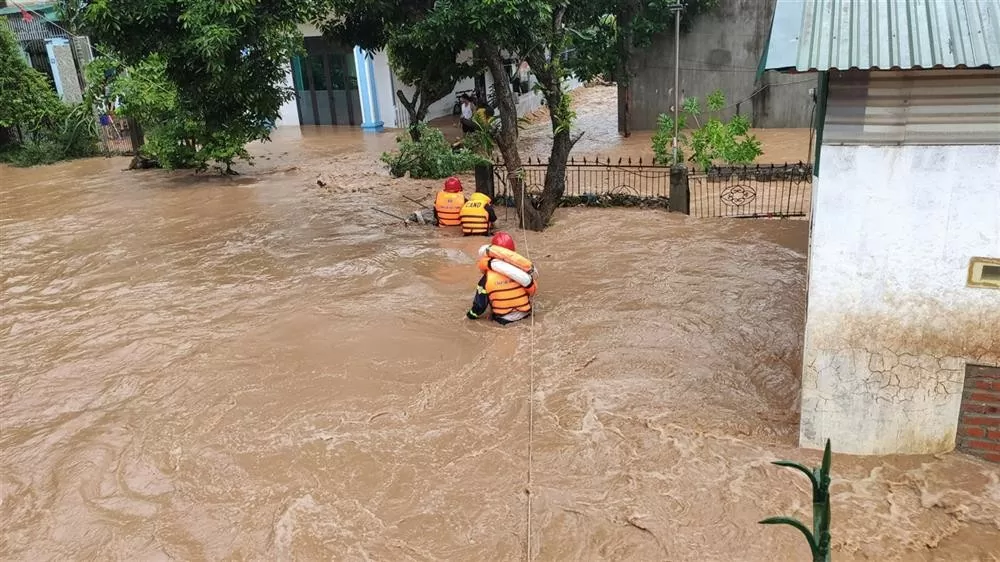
(260, 368)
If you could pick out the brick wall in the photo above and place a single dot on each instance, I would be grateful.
(979, 417)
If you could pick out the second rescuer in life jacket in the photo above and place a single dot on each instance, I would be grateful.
(508, 283)
(477, 215)
(449, 202)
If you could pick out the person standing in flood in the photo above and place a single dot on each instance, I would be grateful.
(477, 215)
(468, 108)
(507, 285)
(448, 204)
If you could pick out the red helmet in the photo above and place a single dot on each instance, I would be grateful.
(452, 185)
(503, 239)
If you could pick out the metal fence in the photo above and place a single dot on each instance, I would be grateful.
(759, 191)
(589, 180)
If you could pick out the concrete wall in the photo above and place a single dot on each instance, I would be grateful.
(890, 322)
(721, 51)
(288, 115)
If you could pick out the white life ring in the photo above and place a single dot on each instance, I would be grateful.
(511, 272)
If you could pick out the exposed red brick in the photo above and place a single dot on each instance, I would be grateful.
(973, 431)
(984, 445)
(981, 396)
(996, 385)
(988, 421)
(983, 385)
(980, 408)
(993, 434)
(992, 457)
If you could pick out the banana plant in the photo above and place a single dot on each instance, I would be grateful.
(819, 537)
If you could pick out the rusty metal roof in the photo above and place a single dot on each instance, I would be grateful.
(809, 35)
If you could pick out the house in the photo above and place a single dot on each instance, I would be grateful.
(902, 333)
(336, 85)
(722, 50)
(47, 46)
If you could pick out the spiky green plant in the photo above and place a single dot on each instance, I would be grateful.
(819, 537)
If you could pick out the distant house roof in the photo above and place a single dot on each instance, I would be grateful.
(818, 35)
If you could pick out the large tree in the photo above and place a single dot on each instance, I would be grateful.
(532, 31)
(227, 60)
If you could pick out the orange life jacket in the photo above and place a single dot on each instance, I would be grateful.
(448, 207)
(475, 218)
(506, 296)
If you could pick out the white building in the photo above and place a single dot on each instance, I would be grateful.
(904, 277)
(340, 86)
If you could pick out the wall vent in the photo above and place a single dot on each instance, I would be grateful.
(984, 273)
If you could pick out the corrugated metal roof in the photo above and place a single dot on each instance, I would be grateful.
(884, 34)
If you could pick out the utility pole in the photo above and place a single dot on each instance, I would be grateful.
(677, 8)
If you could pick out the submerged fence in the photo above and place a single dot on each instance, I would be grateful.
(593, 177)
(756, 191)
(759, 191)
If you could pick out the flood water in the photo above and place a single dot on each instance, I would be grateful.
(260, 368)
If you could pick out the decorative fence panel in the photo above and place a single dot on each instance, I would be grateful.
(759, 191)
(589, 181)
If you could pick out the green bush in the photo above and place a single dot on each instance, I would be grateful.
(430, 157)
(70, 133)
(711, 142)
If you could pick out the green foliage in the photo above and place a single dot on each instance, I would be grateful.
(27, 99)
(430, 157)
(70, 134)
(143, 90)
(712, 142)
(224, 61)
(819, 537)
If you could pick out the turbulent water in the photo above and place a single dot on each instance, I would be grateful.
(205, 368)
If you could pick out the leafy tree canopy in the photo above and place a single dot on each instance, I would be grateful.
(227, 60)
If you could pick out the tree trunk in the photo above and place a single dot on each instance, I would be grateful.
(561, 116)
(506, 139)
(411, 110)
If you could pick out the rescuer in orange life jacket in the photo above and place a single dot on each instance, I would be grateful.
(507, 285)
(448, 205)
(477, 215)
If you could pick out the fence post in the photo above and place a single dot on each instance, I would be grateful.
(484, 180)
(679, 194)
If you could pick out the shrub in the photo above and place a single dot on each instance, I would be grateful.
(430, 157)
(714, 141)
(70, 133)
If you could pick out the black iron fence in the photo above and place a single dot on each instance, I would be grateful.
(593, 181)
(758, 191)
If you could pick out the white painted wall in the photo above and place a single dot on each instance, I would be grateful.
(289, 112)
(309, 30)
(386, 94)
(890, 322)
